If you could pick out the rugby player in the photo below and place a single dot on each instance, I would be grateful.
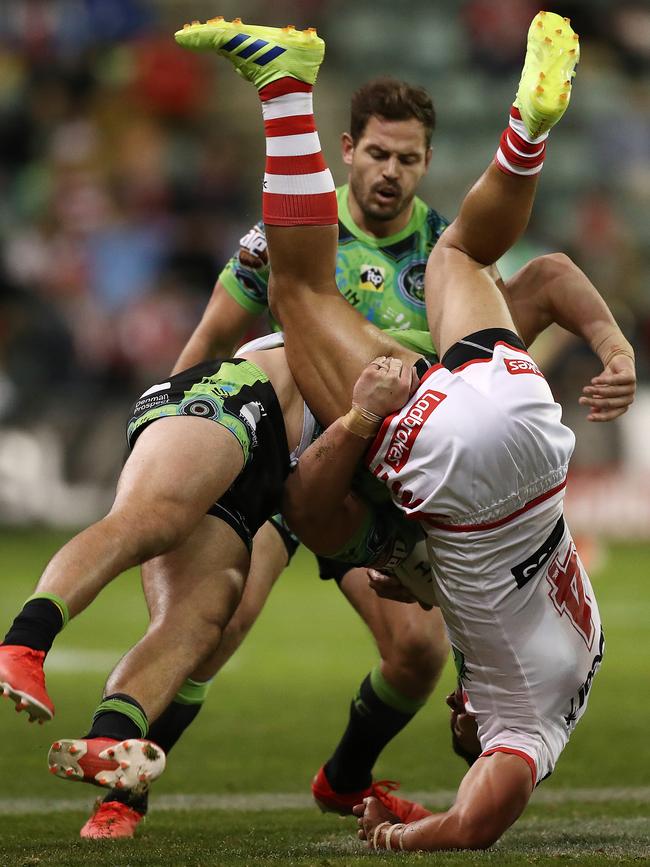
(141, 525)
(482, 451)
(385, 235)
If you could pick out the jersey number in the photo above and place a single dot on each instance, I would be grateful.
(568, 593)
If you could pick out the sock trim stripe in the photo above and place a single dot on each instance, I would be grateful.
(510, 169)
(390, 696)
(288, 106)
(193, 692)
(288, 126)
(56, 600)
(283, 86)
(531, 155)
(307, 164)
(315, 210)
(293, 145)
(299, 185)
(117, 705)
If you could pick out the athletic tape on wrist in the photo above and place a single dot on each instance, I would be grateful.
(376, 835)
(361, 422)
(389, 834)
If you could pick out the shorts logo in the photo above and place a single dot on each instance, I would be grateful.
(522, 365)
(202, 407)
(567, 593)
(411, 284)
(408, 428)
(373, 278)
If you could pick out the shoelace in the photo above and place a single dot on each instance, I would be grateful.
(383, 787)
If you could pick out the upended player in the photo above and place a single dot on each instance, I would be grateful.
(385, 236)
(478, 454)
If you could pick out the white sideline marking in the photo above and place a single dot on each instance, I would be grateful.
(69, 661)
(270, 801)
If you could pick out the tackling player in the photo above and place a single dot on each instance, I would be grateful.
(385, 236)
(501, 480)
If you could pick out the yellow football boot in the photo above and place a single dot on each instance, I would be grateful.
(259, 54)
(544, 91)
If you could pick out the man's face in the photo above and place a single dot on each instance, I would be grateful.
(386, 165)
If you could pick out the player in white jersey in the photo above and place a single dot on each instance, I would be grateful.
(479, 454)
(328, 344)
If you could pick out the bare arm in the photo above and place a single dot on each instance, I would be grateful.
(318, 503)
(492, 795)
(222, 326)
(553, 289)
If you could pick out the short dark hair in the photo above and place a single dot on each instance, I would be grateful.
(394, 100)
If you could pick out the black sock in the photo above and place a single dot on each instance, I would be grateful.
(119, 716)
(371, 725)
(37, 625)
(165, 732)
(171, 724)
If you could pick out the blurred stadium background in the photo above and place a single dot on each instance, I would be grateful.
(129, 169)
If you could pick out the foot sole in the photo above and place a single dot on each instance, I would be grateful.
(130, 765)
(37, 712)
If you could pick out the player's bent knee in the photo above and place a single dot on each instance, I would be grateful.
(420, 651)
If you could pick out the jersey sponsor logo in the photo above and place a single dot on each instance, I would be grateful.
(254, 242)
(409, 427)
(525, 570)
(522, 365)
(567, 593)
(410, 283)
(373, 278)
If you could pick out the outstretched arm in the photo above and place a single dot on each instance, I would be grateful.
(492, 795)
(553, 289)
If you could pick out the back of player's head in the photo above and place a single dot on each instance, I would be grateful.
(393, 100)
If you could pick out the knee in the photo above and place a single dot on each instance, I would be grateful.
(551, 266)
(421, 651)
(147, 533)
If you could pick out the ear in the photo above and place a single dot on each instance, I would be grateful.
(347, 148)
(427, 158)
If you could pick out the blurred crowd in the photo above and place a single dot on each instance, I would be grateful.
(122, 196)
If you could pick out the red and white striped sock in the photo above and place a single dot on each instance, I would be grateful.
(518, 153)
(298, 186)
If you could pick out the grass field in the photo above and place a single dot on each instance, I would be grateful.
(236, 789)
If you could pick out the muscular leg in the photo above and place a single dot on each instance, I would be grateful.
(325, 362)
(200, 584)
(152, 512)
(190, 594)
(268, 559)
(413, 647)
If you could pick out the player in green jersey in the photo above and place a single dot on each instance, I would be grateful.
(385, 235)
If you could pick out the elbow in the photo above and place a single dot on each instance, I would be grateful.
(477, 832)
(552, 266)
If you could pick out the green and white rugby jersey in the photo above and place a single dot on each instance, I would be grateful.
(382, 277)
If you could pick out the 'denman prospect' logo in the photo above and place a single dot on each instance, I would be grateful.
(409, 427)
(411, 283)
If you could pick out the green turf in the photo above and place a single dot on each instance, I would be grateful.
(275, 713)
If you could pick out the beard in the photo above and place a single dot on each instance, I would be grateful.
(373, 209)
